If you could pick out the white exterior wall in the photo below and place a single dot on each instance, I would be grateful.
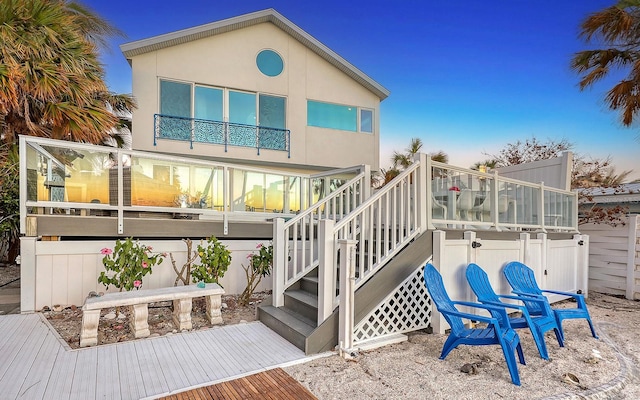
(228, 60)
(614, 258)
(561, 259)
(554, 172)
(65, 272)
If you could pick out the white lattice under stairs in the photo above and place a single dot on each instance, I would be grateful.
(406, 309)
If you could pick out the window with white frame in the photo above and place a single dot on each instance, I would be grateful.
(339, 116)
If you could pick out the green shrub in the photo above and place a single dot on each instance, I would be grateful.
(127, 264)
(214, 262)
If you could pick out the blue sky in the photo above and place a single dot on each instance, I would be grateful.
(467, 77)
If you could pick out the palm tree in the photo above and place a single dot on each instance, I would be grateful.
(51, 81)
(618, 29)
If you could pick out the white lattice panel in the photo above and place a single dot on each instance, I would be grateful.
(406, 309)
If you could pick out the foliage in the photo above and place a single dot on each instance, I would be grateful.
(260, 265)
(51, 79)
(586, 172)
(9, 202)
(127, 264)
(617, 30)
(215, 259)
(184, 274)
(401, 161)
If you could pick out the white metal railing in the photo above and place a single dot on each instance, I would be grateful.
(74, 177)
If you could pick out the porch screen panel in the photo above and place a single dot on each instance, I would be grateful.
(208, 112)
(175, 101)
(333, 116)
(242, 119)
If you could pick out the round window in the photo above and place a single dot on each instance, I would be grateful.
(269, 63)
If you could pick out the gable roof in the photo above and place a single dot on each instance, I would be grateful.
(132, 49)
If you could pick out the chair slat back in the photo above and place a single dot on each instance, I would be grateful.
(522, 279)
(440, 298)
(479, 283)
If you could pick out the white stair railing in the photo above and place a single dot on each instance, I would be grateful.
(295, 242)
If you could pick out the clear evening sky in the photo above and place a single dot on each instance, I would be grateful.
(465, 76)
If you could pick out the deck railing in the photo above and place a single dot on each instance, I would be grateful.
(74, 177)
(194, 130)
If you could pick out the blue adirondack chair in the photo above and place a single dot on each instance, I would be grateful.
(497, 331)
(523, 282)
(479, 282)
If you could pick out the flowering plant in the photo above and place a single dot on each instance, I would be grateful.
(260, 265)
(214, 261)
(127, 263)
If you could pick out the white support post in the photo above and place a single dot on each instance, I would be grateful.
(424, 201)
(525, 248)
(632, 222)
(326, 269)
(279, 262)
(542, 277)
(541, 208)
(28, 287)
(23, 184)
(582, 269)
(347, 294)
(120, 194)
(495, 198)
(438, 323)
(366, 190)
(470, 237)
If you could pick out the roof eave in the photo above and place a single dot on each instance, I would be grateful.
(155, 43)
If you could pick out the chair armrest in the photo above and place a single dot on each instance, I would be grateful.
(507, 305)
(474, 317)
(579, 298)
(501, 310)
(525, 294)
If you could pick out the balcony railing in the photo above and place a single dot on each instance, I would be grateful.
(195, 130)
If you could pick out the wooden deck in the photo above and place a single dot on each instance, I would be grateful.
(35, 364)
(271, 384)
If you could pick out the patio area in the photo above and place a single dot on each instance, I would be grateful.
(36, 364)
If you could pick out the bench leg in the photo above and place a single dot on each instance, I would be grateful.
(214, 315)
(182, 314)
(139, 320)
(89, 330)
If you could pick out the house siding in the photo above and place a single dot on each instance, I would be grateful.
(228, 60)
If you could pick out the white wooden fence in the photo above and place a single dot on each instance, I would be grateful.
(64, 272)
(558, 264)
(614, 258)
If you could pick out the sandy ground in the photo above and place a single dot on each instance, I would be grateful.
(412, 370)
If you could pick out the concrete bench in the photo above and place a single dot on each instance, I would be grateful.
(138, 302)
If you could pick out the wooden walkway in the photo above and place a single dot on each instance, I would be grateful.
(34, 364)
(273, 384)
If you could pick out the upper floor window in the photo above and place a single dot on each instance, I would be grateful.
(338, 116)
(219, 104)
(269, 63)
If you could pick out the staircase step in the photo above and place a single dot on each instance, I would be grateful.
(303, 303)
(294, 328)
(309, 284)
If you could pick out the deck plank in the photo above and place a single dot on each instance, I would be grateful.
(23, 358)
(151, 370)
(85, 375)
(37, 378)
(131, 383)
(174, 374)
(35, 364)
(108, 383)
(60, 380)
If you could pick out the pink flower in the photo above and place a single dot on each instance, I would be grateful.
(145, 265)
(259, 246)
(137, 284)
(106, 251)
(164, 254)
(249, 256)
(149, 248)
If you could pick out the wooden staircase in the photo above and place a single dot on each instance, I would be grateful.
(297, 320)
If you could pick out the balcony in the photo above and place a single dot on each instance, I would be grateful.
(195, 130)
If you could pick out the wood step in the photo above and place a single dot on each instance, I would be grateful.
(303, 303)
(293, 327)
